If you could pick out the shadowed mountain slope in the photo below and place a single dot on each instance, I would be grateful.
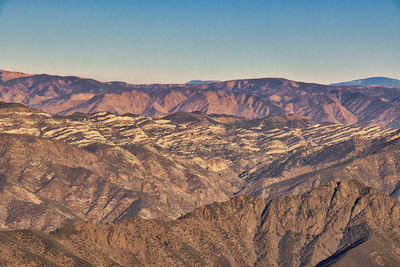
(251, 98)
(335, 224)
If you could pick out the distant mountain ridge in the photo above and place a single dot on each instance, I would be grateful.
(200, 81)
(250, 98)
(377, 81)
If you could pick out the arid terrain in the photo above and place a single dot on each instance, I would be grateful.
(200, 133)
(199, 176)
(103, 167)
(338, 224)
(250, 98)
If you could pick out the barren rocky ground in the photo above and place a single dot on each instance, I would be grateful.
(103, 167)
(337, 224)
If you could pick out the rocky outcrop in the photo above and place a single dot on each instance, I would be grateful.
(336, 224)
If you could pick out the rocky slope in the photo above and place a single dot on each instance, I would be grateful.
(103, 167)
(339, 224)
(251, 98)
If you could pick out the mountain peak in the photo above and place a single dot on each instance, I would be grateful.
(9, 75)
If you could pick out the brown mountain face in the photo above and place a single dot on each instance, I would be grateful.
(103, 167)
(250, 98)
(339, 224)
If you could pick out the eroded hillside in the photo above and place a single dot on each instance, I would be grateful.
(339, 224)
(103, 167)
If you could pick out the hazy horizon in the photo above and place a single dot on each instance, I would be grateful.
(198, 80)
(145, 42)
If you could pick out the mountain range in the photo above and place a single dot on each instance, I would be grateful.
(256, 172)
(104, 167)
(249, 98)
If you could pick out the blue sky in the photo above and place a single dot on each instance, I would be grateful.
(177, 41)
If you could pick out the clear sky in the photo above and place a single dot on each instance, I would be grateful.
(176, 40)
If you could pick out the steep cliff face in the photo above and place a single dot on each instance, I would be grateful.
(251, 98)
(338, 223)
(103, 167)
(335, 223)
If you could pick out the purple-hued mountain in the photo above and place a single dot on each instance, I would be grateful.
(249, 98)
